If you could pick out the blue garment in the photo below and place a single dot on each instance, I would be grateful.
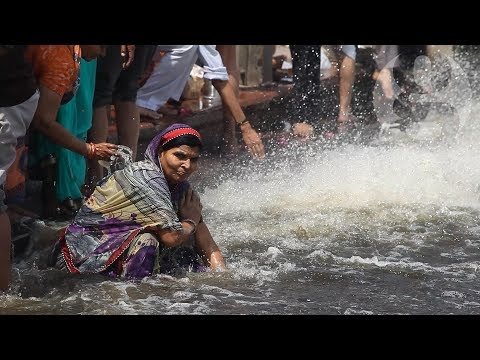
(76, 117)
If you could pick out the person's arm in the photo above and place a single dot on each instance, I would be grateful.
(190, 213)
(44, 121)
(250, 137)
(171, 238)
(385, 78)
(208, 249)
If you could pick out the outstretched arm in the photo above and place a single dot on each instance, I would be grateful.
(250, 136)
(45, 121)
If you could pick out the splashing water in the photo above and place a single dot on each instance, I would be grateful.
(391, 227)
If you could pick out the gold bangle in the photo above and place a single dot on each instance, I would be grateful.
(243, 122)
(193, 223)
(91, 150)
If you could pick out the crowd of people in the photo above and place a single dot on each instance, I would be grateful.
(145, 217)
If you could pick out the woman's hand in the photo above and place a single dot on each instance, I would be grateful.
(190, 206)
(104, 151)
(252, 141)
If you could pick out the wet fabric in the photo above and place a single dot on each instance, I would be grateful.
(14, 121)
(107, 234)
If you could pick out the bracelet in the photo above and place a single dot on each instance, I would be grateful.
(89, 151)
(243, 122)
(92, 150)
(193, 223)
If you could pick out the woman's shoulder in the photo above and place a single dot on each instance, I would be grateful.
(54, 66)
(145, 165)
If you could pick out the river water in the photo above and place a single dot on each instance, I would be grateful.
(391, 227)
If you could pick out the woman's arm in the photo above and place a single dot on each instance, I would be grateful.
(190, 211)
(250, 137)
(171, 238)
(208, 249)
(45, 121)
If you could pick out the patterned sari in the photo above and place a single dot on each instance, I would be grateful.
(124, 206)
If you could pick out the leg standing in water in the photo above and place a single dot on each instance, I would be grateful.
(18, 101)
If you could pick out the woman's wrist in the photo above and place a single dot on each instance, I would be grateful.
(91, 150)
(243, 122)
(193, 223)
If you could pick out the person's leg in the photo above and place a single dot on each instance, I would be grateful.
(303, 103)
(108, 71)
(127, 114)
(127, 117)
(14, 122)
(97, 133)
(347, 77)
(141, 259)
(5, 247)
(169, 77)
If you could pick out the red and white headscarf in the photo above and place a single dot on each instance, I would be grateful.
(171, 132)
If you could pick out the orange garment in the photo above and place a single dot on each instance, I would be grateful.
(56, 66)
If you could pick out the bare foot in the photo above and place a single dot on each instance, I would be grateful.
(144, 112)
(168, 110)
(302, 130)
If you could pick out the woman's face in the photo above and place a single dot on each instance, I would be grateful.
(179, 163)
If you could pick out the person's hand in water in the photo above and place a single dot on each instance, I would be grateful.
(252, 140)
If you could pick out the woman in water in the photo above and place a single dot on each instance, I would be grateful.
(145, 218)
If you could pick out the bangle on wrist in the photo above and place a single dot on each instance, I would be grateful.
(92, 150)
(89, 150)
(243, 122)
(193, 223)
